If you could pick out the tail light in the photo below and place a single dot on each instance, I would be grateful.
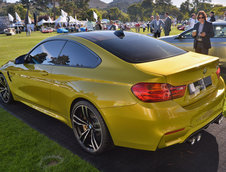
(157, 92)
(218, 72)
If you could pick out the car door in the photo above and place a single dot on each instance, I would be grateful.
(70, 75)
(218, 43)
(32, 80)
(185, 40)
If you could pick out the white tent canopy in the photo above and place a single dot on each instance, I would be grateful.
(49, 20)
(18, 19)
(63, 13)
(61, 19)
(10, 17)
(42, 22)
(29, 20)
(71, 20)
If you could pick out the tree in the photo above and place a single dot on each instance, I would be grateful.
(135, 12)
(90, 14)
(199, 4)
(69, 6)
(162, 5)
(147, 6)
(114, 13)
(186, 7)
(12, 8)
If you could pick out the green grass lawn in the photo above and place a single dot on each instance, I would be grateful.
(21, 147)
(24, 149)
(174, 31)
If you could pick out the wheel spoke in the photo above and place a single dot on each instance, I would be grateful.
(5, 94)
(2, 89)
(80, 120)
(78, 123)
(97, 129)
(85, 112)
(2, 82)
(85, 134)
(93, 141)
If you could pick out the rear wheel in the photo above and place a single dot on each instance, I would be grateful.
(5, 93)
(89, 128)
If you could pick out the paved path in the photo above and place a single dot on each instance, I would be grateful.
(207, 155)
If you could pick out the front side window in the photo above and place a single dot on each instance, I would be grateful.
(187, 35)
(219, 31)
(77, 55)
(46, 52)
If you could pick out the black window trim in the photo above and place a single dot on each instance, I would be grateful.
(67, 40)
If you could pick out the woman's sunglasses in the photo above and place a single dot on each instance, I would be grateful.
(201, 17)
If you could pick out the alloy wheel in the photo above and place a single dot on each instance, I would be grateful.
(87, 128)
(4, 90)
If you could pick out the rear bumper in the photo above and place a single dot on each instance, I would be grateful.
(144, 125)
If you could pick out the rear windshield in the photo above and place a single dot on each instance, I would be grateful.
(134, 48)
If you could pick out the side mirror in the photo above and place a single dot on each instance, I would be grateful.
(20, 59)
(179, 37)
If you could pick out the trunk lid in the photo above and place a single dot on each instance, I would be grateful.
(185, 69)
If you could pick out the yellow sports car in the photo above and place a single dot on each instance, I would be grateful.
(118, 88)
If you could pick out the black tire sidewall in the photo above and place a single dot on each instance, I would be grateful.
(104, 131)
(10, 94)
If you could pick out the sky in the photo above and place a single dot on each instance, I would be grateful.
(175, 2)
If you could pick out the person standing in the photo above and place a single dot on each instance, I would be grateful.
(152, 19)
(112, 26)
(144, 27)
(98, 25)
(192, 21)
(167, 26)
(148, 26)
(203, 31)
(137, 27)
(157, 26)
(212, 17)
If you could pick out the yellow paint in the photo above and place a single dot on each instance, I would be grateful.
(131, 123)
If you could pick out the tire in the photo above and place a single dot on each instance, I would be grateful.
(5, 93)
(89, 128)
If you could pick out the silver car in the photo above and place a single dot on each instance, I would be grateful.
(218, 42)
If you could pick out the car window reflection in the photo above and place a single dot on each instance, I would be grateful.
(46, 52)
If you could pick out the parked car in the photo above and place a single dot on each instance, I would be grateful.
(62, 30)
(111, 88)
(218, 42)
(10, 31)
(47, 30)
(182, 26)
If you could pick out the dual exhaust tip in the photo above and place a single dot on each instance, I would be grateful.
(197, 137)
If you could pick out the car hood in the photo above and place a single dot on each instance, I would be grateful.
(168, 38)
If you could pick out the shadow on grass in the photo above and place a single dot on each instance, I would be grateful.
(203, 156)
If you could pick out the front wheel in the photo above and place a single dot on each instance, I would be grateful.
(89, 128)
(5, 93)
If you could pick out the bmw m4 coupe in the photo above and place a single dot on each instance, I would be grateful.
(118, 88)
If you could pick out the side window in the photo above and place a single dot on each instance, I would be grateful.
(75, 54)
(187, 35)
(46, 52)
(219, 31)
